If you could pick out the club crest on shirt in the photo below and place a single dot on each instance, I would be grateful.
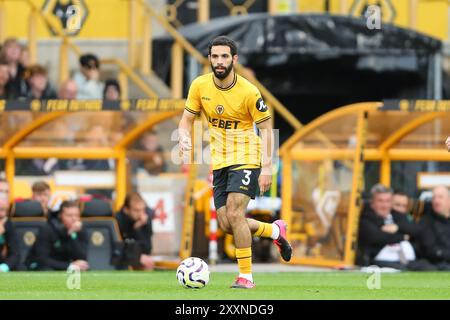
(220, 109)
(260, 105)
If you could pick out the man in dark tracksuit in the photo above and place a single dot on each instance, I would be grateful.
(381, 227)
(135, 224)
(9, 244)
(435, 240)
(61, 243)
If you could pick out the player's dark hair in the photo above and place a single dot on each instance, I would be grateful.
(223, 41)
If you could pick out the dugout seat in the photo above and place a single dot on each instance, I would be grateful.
(27, 229)
(27, 208)
(103, 234)
(96, 208)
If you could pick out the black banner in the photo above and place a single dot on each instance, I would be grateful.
(227, 309)
(92, 105)
(417, 105)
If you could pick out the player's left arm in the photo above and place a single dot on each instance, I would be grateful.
(267, 139)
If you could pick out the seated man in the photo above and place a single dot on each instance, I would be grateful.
(9, 244)
(384, 235)
(435, 239)
(62, 243)
(41, 193)
(135, 224)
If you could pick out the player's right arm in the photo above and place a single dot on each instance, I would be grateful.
(184, 134)
(192, 108)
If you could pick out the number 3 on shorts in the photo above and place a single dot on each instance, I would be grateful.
(246, 181)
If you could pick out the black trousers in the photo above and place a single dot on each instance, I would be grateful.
(415, 265)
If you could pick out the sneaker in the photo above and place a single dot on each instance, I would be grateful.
(282, 243)
(242, 283)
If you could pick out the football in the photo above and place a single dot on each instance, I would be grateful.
(193, 273)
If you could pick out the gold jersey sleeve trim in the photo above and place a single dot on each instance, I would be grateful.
(263, 119)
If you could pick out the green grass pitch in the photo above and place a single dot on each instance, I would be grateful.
(162, 285)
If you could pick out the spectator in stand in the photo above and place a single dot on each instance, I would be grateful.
(400, 202)
(384, 235)
(435, 240)
(87, 79)
(135, 224)
(4, 78)
(154, 163)
(68, 90)
(94, 137)
(61, 243)
(112, 90)
(38, 84)
(9, 243)
(10, 54)
(42, 193)
(25, 57)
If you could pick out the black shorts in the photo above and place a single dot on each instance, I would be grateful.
(227, 180)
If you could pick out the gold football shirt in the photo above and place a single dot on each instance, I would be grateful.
(231, 113)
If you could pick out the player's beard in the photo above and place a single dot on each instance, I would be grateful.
(223, 75)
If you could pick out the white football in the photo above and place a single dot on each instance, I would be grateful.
(193, 273)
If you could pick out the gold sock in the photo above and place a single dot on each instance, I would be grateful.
(264, 230)
(244, 258)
